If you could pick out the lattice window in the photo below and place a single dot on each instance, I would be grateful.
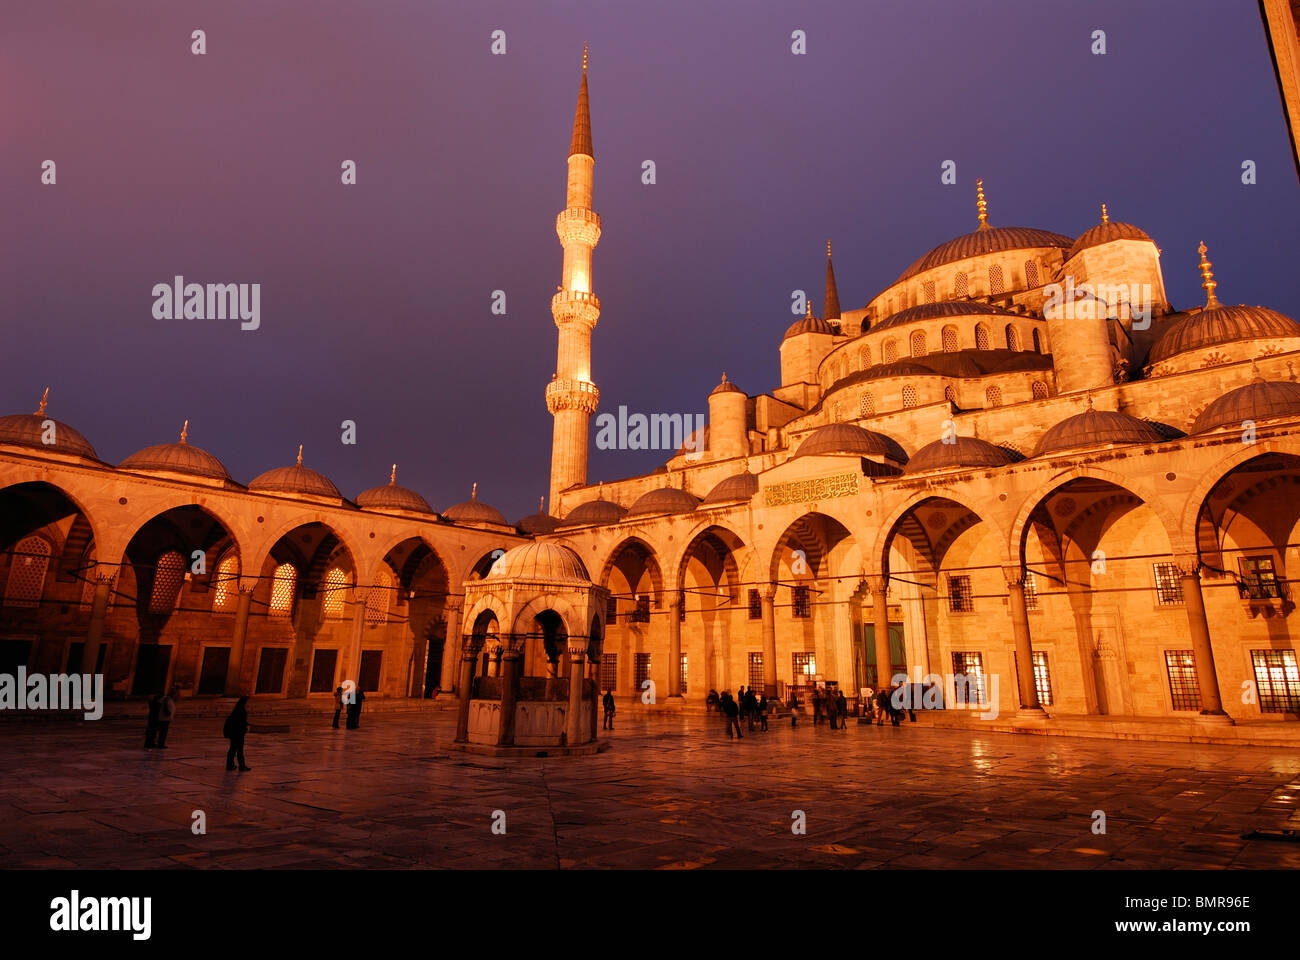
(225, 584)
(611, 611)
(755, 606)
(28, 563)
(682, 677)
(1038, 343)
(866, 358)
(1277, 680)
(970, 687)
(981, 337)
(995, 279)
(951, 341)
(1258, 578)
(918, 343)
(993, 397)
(867, 406)
(805, 665)
(1013, 337)
(802, 607)
(1169, 584)
(950, 394)
(1031, 274)
(335, 593)
(169, 574)
(1039, 390)
(960, 597)
(283, 586)
(641, 612)
(928, 288)
(890, 351)
(642, 670)
(909, 397)
(1184, 687)
(609, 671)
(962, 287)
(756, 679)
(1031, 591)
(380, 595)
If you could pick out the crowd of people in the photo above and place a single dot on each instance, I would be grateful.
(829, 706)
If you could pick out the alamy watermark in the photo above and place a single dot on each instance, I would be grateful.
(179, 300)
(1094, 301)
(658, 431)
(60, 691)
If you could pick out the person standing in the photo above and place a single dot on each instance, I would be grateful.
(338, 705)
(732, 713)
(831, 707)
(166, 712)
(607, 702)
(358, 697)
(151, 724)
(794, 708)
(762, 712)
(843, 708)
(817, 706)
(235, 729)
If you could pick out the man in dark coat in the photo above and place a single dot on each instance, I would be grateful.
(151, 724)
(235, 729)
(607, 702)
(732, 712)
(358, 697)
(338, 705)
(166, 713)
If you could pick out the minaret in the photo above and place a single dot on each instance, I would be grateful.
(571, 396)
(832, 310)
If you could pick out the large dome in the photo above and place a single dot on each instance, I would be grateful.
(962, 452)
(595, 511)
(742, 486)
(295, 479)
(938, 310)
(28, 430)
(1093, 427)
(1216, 325)
(1105, 232)
(986, 240)
(1257, 400)
(841, 438)
(392, 497)
(552, 562)
(179, 457)
(664, 500)
(472, 511)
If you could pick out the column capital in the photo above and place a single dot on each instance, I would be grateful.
(101, 572)
(577, 646)
(767, 591)
(1014, 574)
(878, 583)
(471, 645)
(247, 584)
(452, 604)
(1189, 565)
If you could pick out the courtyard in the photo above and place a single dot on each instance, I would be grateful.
(672, 793)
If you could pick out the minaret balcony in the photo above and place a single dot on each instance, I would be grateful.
(578, 225)
(572, 395)
(569, 306)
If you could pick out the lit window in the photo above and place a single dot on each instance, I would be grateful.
(909, 397)
(981, 337)
(960, 597)
(951, 343)
(1258, 579)
(1031, 591)
(225, 585)
(169, 574)
(995, 279)
(683, 676)
(28, 563)
(993, 396)
(1277, 680)
(969, 685)
(755, 606)
(756, 671)
(1169, 584)
(283, 584)
(805, 665)
(1184, 688)
(609, 671)
(335, 592)
(642, 670)
(1042, 676)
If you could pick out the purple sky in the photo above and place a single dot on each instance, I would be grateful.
(375, 298)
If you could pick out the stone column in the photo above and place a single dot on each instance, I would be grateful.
(767, 598)
(1202, 650)
(470, 647)
(235, 665)
(511, 654)
(573, 722)
(352, 671)
(675, 648)
(104, 577)
(1015, 577)
(451, 612)
(880, 619)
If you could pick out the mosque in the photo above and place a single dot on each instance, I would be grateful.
(1018, 463)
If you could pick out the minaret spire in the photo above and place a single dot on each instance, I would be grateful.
(1207, 279)
(581, 142)
(832, 293)
(981, 205)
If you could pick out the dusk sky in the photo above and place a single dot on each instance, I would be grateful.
(225, 168)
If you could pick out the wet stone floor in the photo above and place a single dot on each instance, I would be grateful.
(673, 793)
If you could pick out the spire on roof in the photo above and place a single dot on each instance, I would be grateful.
(1207, 279)
(185, 432)
(300, 454)
(45, 398)
(392, 477)
(981, 205)
(473, 491)
(581, 142)
(832, 293)
(1105, 217)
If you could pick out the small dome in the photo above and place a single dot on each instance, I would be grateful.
(28, 430)
(295, 479)
(808, 324)
(963, 452)
(940, 309)
(1093, 427)
(841, 438)
(540, 522)
(471, 511)
(726, 386)
(595, 511)
(551, 562)
(178, 457)
(742, 486)
(664, 500)
(1216, 325)
(392, 497)
(1105, 232)
(988, 240)
(1257, 400)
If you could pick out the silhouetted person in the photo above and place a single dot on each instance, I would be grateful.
(235, 729)
(762, 712)
(817, 706)
(843, 707)
(338, 705)
(151, 724)
(794, 709)
(607, 702)
(358, 697)
(166, 712)
(831, 707)
(732, 712)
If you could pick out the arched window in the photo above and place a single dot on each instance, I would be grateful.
(995, 279)
(1031, 274)
(1038, 343)
(1039, 390)
(993, 395)
(962, 287)
(909, 397)
(951, 343)
(1013, 337)
(28, 563)
(950, 394)
(981, 337)
(225, 583)
(928, 287)
(866, 358)
(918, 343)
(890, 351)
(335, 592)
(283, 586)
(380, 595)
(168, 575)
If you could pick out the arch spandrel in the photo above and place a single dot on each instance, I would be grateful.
(89, 500)
(1212, 475)
(876, 560)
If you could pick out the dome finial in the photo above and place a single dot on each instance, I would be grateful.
(584, 58)
(981, 205)
(1105, 216)
(300, 454)
(473, 491)
(185, 432)
(808, 313)
(392, 477)
(541, 504)
(1090, 403)
(1207, 279)
(45, 398)
(1254, 370)
(1291, 370)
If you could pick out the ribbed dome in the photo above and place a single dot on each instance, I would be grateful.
(742, 486)
(392, 497)
(725, 386)
(179, 457)
(472, 511)
(898, 368)
(1216, 325)
(595, 511)
(839, 438)
(963, 452)
(1257, 400)
(664, 500)
(938, 310)
(26, 430)
(1105, 233)
(990, 240)
(295, 479)
(1093, 427)
(808, 325)
(551, 562)
(537, 523)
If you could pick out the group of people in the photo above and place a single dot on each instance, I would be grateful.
(352, 704)
(884, 704)
(832, 706)
(744, 706)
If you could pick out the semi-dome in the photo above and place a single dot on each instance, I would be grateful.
(29, 430)
(1221, 324)
(595, 511)
(181, 457)
(472, 511)
(551, 562)
(939, 310)
(742, 486)
(962, 452)
(1093, 427)
(664, 500)
(1258, 400)
(295, 480)
(1105, 232)
(986, 240)
(846, 438)
(392, 497)
(538, 523)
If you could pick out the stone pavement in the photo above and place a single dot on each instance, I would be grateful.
(673, 793)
